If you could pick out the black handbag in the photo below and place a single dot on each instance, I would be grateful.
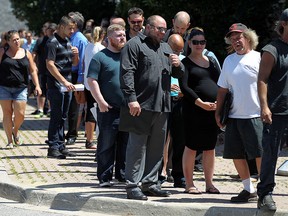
(226, 108)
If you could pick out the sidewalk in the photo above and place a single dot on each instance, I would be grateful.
(27, 175)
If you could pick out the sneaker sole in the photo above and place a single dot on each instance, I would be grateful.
(252, 199)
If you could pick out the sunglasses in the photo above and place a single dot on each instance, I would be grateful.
(161, 29)
(197, 42)
(134, 22)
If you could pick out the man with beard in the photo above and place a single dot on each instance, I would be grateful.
(146, 67)
(181, 23)
(135, 20)
(103, 79)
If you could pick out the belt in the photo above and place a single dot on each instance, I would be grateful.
(176, 98)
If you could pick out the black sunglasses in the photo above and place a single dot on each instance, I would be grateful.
(197, 42)
(134, 22)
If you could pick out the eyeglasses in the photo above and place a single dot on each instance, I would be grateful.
(161, 29)
(197, 42)
(134, 22)
(235, 39)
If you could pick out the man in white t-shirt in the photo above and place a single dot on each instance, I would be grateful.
(243, 132)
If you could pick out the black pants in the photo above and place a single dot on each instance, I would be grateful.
(73, 112)
(178, 139)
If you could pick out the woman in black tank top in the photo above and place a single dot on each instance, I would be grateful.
(15, 66)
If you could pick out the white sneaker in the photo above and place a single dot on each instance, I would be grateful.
(105, 184)
(10, 146)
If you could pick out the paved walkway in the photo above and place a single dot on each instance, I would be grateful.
(27, 175)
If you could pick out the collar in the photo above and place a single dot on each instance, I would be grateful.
(74, 34)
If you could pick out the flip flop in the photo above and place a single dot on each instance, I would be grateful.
(17, 140)
(193, 190)
(212, 190)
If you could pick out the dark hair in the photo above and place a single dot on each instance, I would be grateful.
(135, 10)
(9, 34)
(52, 26)
(65, 20)
(196, 31)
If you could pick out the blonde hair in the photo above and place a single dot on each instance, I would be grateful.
(250, 35)
(114, 27)
(98, 34)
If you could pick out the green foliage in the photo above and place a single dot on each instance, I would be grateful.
(38, 12)
(214, 17)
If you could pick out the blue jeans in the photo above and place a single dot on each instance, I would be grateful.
(274, 137)
(111, 146)
(59, 103)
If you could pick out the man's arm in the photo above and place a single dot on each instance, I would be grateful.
(266, 64)
(75, 58)
(55, 73)
(220, 101)
(33, 72)
(177, 66)
(96, 93)
(129, 64)
(81, 50)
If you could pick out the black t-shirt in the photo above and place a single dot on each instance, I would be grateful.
(278, 81)
(14, 72)
(39, 49)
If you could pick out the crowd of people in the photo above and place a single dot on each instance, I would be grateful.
(154, 89)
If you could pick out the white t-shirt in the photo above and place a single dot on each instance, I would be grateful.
(90, 50)
(239, 74)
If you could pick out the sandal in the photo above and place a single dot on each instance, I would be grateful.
(212, 190)
(193, 190)
(17, 140)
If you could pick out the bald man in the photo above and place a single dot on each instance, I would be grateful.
(181, 23)
(146, 87)
(117, 20)
(175, 119)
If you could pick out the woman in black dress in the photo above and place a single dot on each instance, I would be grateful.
(199, 86)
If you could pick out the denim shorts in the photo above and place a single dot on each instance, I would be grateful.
(10, 93)
(243, 139)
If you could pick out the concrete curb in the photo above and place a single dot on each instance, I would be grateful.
(117, 206)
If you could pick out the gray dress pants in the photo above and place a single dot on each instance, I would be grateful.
(145, 152)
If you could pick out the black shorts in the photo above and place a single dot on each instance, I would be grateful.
(90, 103)
(43, 83)
(243, 136)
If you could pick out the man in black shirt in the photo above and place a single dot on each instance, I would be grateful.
(146, 67)
(60, 58)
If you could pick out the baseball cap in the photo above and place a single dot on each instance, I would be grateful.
(284, 15)
(238, 27)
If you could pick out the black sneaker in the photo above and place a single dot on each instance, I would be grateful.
(66, 152)
(55, 153)
(244, 196)
(179, 183)
(71, 141)
(267, 203)
(90, 145)
(36, 112)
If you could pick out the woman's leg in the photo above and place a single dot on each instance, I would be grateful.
(7, 109)
(188, 161)
(208, 167)
(19, 114)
